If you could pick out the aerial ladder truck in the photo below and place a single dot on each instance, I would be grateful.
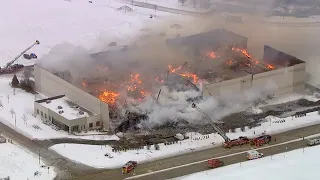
(228, 143)
(17, 57)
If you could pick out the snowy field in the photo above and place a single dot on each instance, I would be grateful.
(95, 154)
(19, 164)
(80, 23)
(22, 119)
(301, 164)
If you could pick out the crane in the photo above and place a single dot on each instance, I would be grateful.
(215, 127)
(16, 58)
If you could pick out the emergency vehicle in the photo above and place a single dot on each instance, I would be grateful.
(312, 142)
(215, 163)
(236, 142)
(254, 154)
(129, 166)
(261, 140)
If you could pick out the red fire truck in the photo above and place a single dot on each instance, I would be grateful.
(261, 140)
(236, 142)
(129, 166)
(215, 163)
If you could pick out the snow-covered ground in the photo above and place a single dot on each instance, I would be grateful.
(21, 103)
(301, 164)
(19, 164)
(91, 25)
(95, 154)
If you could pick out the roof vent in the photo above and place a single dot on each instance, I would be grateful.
(81, 112)
(48, 101)
(60, 112)
(59, 107)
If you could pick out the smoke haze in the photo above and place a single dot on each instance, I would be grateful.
(149, 55)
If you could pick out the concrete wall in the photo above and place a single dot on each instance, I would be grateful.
(51, 85)
(285, 80)
(228, 87)
(40, 108)
(280, 81)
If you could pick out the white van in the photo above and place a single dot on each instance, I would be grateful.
(253, 154)
(312, 142)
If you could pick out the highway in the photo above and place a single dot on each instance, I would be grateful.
(65, 167)
(185, 164)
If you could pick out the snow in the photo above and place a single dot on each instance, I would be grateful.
(95, 154)
(294, 165)
(69, 112)
(19, 164)
(22, 104)
(91, 25)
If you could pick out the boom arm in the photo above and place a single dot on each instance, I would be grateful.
(215, 127)
(16, 58)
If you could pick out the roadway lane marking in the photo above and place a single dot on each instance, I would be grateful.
(238, 153)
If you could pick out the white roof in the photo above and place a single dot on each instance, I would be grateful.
(252, 152)
(70, 112)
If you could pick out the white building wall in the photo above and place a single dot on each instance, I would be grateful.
(285, 80)
(228, 87)
(40, 108)
(51, 85)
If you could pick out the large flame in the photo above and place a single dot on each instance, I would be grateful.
(188, 75)
(253, 61)
(108, 97)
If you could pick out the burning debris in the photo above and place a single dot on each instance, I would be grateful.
(133, 87)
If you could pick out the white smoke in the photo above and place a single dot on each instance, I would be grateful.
(66, 57)
(174, 106)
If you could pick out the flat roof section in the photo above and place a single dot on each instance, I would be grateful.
(65, 107)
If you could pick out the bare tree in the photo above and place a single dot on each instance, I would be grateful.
(8, 96)
(12, 112)
(24, 118)
(14, 91)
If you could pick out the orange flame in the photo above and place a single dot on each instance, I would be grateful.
(246, 53)
(194, 77)
(108, 97)
(212, 55)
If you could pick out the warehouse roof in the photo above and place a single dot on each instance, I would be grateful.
(65, 107)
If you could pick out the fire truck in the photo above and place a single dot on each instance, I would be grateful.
(236, 142)
(261, 140)
(228, 143)
(215, 163)
(129, 166)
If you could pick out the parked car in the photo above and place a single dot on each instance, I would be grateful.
(108, 155)
(3, 139)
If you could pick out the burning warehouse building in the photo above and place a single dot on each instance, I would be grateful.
(238, 70)
(212, 64)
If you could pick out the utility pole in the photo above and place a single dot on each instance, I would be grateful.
(39, 156)
(15, 119)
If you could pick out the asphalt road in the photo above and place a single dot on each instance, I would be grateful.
(51, 158)
(184, 159)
